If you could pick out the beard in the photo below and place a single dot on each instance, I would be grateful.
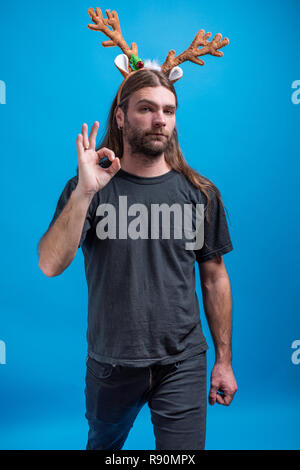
(143, 143)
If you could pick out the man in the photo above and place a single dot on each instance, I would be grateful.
(145, 342)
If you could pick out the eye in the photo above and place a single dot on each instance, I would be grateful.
(169, 111)
(144, 107)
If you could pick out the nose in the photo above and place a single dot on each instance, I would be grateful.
(159, 119)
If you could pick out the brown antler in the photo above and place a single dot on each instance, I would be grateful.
(192, 53)
(115, 35)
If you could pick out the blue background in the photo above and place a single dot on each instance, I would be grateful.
(237, 125)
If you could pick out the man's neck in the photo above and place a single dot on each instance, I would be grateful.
(144, 166)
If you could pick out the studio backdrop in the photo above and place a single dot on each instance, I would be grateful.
(238, 125)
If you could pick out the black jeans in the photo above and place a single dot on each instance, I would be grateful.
(175, 393)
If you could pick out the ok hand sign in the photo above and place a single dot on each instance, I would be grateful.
(91, 176)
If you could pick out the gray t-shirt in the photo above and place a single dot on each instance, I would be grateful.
(142, 303)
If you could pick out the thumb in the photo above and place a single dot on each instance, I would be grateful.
(114, 167)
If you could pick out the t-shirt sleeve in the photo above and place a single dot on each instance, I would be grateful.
(62, 201)
(217, 239)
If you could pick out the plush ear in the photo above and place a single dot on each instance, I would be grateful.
(175, 74)
(122, 64)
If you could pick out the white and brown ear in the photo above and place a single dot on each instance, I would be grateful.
(175, 74)
(122, 64)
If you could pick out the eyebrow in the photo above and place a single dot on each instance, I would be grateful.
(144, 100)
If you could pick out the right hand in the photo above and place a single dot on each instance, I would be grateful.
(91, 176)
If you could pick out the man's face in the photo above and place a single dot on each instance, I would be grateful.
(150, 120)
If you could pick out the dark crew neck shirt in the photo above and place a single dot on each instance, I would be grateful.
(142, 302)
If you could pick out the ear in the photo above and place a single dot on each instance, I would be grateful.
(122, 64)
(119, 115)
(175, 74)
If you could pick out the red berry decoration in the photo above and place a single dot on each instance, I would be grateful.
(140, 64)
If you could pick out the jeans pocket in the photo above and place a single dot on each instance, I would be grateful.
(100, 370)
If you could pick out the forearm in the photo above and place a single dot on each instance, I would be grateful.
(217, 301)
(59, 244)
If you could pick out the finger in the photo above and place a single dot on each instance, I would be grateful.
(93, 134)
(105, 152)
(224, 398)
(212, 395)
(79, 145)
(220, 400)
(114, 167)
(84, 132)
(228, 399)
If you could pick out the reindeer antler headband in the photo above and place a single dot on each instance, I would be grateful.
(129, 62)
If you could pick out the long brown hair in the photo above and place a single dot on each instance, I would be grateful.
(113, 138)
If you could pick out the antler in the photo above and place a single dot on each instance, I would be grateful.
(115, 35)
(192, 53)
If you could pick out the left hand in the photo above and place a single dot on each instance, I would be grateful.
(222, 380)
